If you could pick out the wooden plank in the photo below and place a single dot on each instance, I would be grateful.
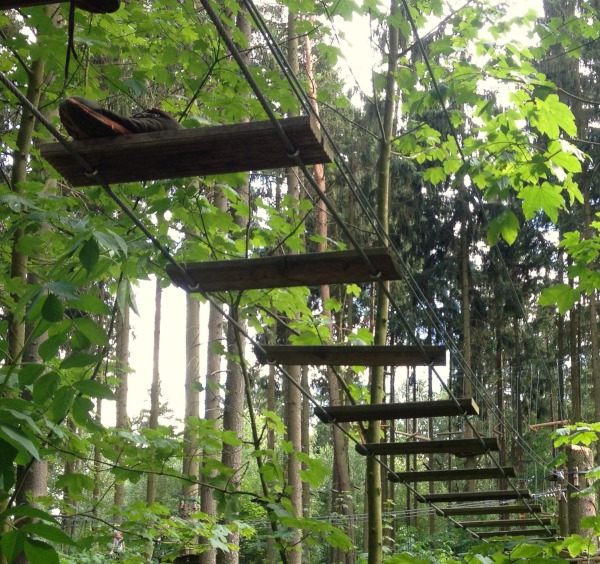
(8, 4)
(542, 521)
(354, 355)
(386, 411)
(458, 447)
(524, 533)
(456, 474)
(475, 496)
(309, 269)
(183, 153)
(503, 509)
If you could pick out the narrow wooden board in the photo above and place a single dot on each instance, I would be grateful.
(459, 447)
(387, 411)
(461, 497)
(355, 355)
(524, 533)
(309, 269)
(447, 475)
(503, 509)
(8, 4)
(542, 521)
(190, 152)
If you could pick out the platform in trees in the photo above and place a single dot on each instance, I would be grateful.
(390, 411)
(542, 521)
(183, 153)
(540, 533)
(450, 475)
(282, 271)
(352, 355)
(458, 447)
(461, 497)
(502, 509)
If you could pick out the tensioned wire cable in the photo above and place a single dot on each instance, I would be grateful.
(293, 154)
(298, 89)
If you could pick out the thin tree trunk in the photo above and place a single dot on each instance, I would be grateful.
(374, 498)
(189, 492)
(155, 387)
(121, 371)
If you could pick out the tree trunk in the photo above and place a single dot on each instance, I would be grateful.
(374, 499)
(189, 492)
(155, 387)
(122, 372)
(580, 460)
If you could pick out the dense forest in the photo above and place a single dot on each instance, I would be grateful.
(468, 163)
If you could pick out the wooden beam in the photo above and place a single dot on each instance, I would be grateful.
(503, 509)
(281, 271)
(8, 4)
(542, 521)
(388, 411)
(351, 355)
(475, 496)
(184, 153)
(458, 447)
(447, 475)
(524, 533)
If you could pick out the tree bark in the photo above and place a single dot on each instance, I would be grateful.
(122, 372)
(155, 387)
(374, 497)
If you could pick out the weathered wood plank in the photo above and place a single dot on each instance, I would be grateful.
(8, 4)
(476, 496)
(458, 447)
(355, 355)
(385, 411)
(524, 533)
(309, 269)
(191, 152)
(456, 474)
(503, 509)
(542, 521)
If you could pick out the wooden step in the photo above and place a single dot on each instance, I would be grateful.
(458, 447)
(502, 509)
(542, 521)
(524, 533)
(388, 411)
(310, 269)
(448, 475)
(8, 4)
(351, 355)
(183, 153)
(460, 497)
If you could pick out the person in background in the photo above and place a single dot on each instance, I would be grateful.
(118, 546)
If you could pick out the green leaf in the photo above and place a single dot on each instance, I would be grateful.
(49, 532)
(48, 350)
(80, 360)
(39, 552)
(89, 304)
(546, 197)
(11, 544)
(63, 400)
(29, 373)
(45, 387)
(92, 330)
(94, 389)
(89, 254)
(560, 295)
(29, 512)
(53, 309)
(19, 440)
(7, 468)
(77, 483)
